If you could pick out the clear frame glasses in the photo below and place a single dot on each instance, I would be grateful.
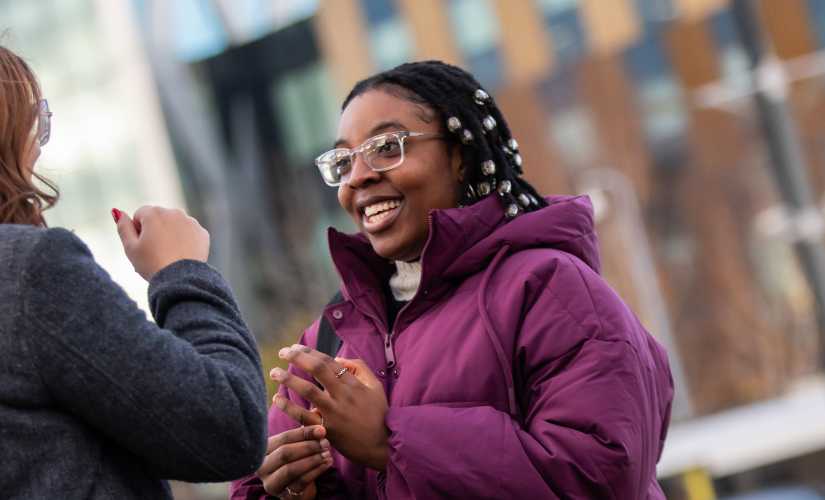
(381, 153)
(44, 123)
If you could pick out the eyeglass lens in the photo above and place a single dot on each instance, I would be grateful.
(381, 152)
(44, 128)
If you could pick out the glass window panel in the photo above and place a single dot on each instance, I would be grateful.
(392, 43)
(475, 25)
(251, 19)
(733, 59)
(656, 14)
(379, 11)
(555, 7)
(647, 60)
(198, 31)
(487, 68)
(306, 112)
(573, 133)
(816, 8)
(568, 36)
(286, 12)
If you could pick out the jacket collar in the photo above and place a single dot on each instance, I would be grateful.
(463, 241)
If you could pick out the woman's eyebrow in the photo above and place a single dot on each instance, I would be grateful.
(375, 130)
(385, 125)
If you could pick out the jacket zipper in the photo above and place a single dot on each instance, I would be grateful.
(388, 337)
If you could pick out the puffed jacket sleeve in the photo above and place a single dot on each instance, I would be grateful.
(589, 403)
(329, 484)
(185, 394)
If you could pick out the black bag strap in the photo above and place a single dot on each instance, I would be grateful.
(328, 342)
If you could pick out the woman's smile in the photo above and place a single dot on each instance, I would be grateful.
(379, 215)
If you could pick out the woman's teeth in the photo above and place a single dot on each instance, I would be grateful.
(375, 213)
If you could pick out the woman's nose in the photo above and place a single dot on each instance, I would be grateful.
(361, 173)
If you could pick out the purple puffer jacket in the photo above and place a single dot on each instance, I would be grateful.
(519, 373)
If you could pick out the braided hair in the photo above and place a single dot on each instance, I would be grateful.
(469, 116)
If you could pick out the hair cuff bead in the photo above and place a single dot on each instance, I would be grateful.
(483, 189)
(467, 137)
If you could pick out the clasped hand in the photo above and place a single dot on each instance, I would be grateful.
(349, 416)
(353, 406)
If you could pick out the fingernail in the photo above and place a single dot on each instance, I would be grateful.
(324, 443)
(284, 351)
(116, 215)
(325, 454)
(275, 373)
(318, 432)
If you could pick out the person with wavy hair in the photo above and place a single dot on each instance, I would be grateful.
(97, 402)
(21, 201)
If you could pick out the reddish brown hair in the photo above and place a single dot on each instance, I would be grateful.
(21, 201)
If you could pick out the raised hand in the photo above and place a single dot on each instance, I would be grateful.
(159, 236)
(294, 459)
(353, 407)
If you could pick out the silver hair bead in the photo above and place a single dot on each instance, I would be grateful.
(453, 124)
(533, 200)
(504, 187)
(488, 167)
(517, 159)
(467, 137)
(480, 96)
(489, 123)
(512, 210)
(483, 189)
(512, 145)
(523, 200)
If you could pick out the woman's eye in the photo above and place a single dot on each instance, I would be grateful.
(342, 165)
(388, 147)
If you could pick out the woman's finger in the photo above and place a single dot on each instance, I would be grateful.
(126, 230)
(277, 482)
(321, 366)
(292, 452)
(362, 372)
(303, 482)
(297, 413)
(301, 387)
(314, 432)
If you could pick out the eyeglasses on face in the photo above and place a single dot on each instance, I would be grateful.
(381, 153)
(44, 123)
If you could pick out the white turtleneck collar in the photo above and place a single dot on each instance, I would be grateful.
(404, 283)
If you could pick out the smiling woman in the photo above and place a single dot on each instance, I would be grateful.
(482, 355)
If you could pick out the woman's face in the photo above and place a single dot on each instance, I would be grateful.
(429, 178)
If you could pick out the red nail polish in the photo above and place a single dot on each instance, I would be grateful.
(116, 215)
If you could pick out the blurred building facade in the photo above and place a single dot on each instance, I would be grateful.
(109, 146)
(652, 93)
(646, 105)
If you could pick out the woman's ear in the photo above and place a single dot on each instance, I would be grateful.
(456, 163)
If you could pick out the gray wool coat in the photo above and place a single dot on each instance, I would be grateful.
(98, 402)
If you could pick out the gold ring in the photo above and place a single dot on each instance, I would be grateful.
(293, 493)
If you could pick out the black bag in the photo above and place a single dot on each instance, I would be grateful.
(328, 342)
